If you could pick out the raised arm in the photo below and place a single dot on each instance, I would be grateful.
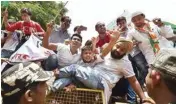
(45, 42)
(107, 48)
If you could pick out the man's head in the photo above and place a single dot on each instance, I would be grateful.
(24, 84)
(138, 19)
(158, 22)
(87, 54)
(65, 22)
(121, 48)
(162, 75)
(121, 22)
(26, 14)
(76, 41)
(100, 28)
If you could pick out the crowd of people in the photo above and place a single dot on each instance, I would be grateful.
(141, 55)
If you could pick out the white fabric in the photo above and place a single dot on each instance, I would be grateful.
(145, 46)
(31, 50)
(3, 65)
(112, 69)
(167, 32)
(107, 91)
(163, 42)
(11, 42)
(65, 57)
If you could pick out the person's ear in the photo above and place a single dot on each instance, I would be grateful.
(156, 78)
(29, 95)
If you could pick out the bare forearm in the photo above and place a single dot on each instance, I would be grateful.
(136, 87)
(6, 22)
(108, 48)
(45, 42)
(112, 42)
(172, 38)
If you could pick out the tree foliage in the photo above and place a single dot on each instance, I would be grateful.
(42, 11)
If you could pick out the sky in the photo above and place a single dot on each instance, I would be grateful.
(89, 12)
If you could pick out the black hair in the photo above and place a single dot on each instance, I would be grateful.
(77, 35)
(75, 28)
(26, 10)
(88, 43)
(86, 48)
(50, 63)
(120, 19)
(116, 55)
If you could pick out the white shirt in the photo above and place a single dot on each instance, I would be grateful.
(145, 46)
(111, 70)
(65, 57)
(11, 42)
(166, 31)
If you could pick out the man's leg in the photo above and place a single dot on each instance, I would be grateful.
(82, 74)
(60, 83)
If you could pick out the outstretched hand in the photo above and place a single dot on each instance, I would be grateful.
(115, 35)
(5, 15)
(70, 88)
(49, 26)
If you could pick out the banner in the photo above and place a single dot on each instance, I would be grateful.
(31, 50)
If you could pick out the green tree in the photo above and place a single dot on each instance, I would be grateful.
(42, 11)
